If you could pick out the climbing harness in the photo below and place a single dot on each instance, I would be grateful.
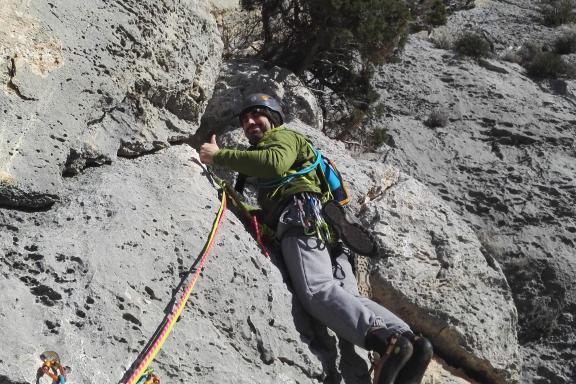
(161, 337)
(51, 367)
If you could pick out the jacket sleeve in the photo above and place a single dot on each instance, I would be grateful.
(271, 160)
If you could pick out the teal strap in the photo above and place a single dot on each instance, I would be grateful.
(288, 178)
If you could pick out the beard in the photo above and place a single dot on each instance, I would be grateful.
(255, 135)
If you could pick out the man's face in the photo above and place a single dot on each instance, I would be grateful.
(255, 124)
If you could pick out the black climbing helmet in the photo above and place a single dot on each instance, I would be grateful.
(269, 105)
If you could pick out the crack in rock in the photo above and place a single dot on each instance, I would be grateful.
(12, 86)
(266, 353)
(12, 197)
(7, 380)
(132, 149)
(78, 160)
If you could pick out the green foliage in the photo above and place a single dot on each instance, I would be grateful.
(427, 14)
(541, 64)
(442, 38)
(335, 42)
(528, 51)
(473, 45)
(437, 118)
(566, 43)
(378, 111)
(548, 65)
(379, 137)
(436, 14)
(557, 12)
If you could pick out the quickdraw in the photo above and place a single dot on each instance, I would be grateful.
(52, 368)
(310, 214)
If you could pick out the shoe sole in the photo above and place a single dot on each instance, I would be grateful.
(389, 368)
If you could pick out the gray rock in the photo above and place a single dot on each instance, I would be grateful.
(505, 162)
(83, 76)
(93, 276)
(91, 261)
(433, 270)
(240, 78)
(434, 274)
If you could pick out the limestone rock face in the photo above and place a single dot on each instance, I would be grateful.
(240, 78)
(432, 270)
(92, 277)
(77, 79)
(504, 161)
(434, 273)
(102, 212)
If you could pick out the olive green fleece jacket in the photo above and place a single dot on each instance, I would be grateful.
(280, 152)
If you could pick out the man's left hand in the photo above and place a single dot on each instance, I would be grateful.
(207, 150)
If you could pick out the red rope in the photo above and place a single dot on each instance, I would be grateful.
(259, 237)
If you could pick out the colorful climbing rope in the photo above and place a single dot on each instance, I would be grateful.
(177, 311)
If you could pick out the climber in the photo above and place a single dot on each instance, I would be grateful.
(318, 265)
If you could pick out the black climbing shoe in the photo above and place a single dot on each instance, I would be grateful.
(356, 237)
(415, 368)
(394, 352)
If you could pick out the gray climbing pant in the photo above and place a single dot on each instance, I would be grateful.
(329, 294)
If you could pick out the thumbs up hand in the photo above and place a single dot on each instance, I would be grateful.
(207, 150)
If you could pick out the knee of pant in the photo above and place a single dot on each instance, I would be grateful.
(315, 294)
(399, 327)
(304, 292)
(321, 289)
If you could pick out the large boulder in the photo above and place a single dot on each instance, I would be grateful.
(83, 80)
(92, 277)
(435, 274)
(503, 160)
(439, 279)
(432, 271)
